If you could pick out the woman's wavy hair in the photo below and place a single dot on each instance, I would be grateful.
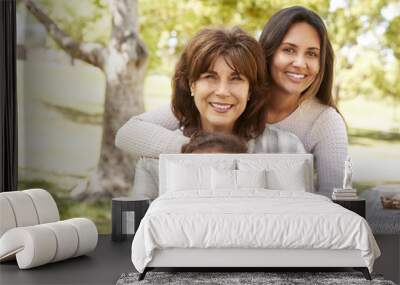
(273, 34)
(243, 54)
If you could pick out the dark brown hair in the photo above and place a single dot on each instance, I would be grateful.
(244, 55)
(202, 141)
(272, 37)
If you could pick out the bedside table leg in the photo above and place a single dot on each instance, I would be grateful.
(364, 271)
(143, 274)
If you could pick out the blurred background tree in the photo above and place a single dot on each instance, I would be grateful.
(121, 56)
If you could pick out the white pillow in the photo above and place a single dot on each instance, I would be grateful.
(251, 178)
(223, 179)
(237, 179)
(181, 177)
(282, 174)
(294, 180)
(193, 172)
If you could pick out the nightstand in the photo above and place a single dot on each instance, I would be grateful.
(357, 205)
(127, 212)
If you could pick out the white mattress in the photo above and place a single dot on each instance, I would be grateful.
(252, 218)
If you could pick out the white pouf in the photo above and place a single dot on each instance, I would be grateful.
(30, 230)
(40, 244)
(26, 208)
(7, 220)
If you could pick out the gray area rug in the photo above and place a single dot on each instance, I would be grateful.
(268, 278)
(381, 220)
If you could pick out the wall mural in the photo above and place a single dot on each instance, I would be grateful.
(86, 67)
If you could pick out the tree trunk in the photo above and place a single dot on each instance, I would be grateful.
(124, 88)
(123, 62)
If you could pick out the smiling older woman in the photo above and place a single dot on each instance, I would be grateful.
(218, 86)
(219, 78)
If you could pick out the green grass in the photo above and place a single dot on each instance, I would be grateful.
(379, 114)
(364, 185)
(76, 115)
(365, 137)
(99, 212)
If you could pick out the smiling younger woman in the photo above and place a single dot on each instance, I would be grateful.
(294, 66)
(299, 59)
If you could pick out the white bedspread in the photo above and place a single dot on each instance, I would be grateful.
(253, 218)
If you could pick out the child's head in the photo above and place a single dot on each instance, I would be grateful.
(205, 142)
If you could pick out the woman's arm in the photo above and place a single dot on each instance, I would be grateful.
(151, 133)
(330, 150)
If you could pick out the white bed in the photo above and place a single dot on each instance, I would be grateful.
(241, 210)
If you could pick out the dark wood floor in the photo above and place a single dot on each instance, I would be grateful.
(102, 266)
(110, 259)
(388, 264)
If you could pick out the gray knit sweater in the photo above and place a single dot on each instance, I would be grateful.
(320, 128)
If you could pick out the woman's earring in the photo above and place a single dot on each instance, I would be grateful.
(191, 93)
(248, 98)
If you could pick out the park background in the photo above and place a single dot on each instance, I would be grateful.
(61, 98)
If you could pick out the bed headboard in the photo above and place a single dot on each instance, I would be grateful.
(277, 161)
